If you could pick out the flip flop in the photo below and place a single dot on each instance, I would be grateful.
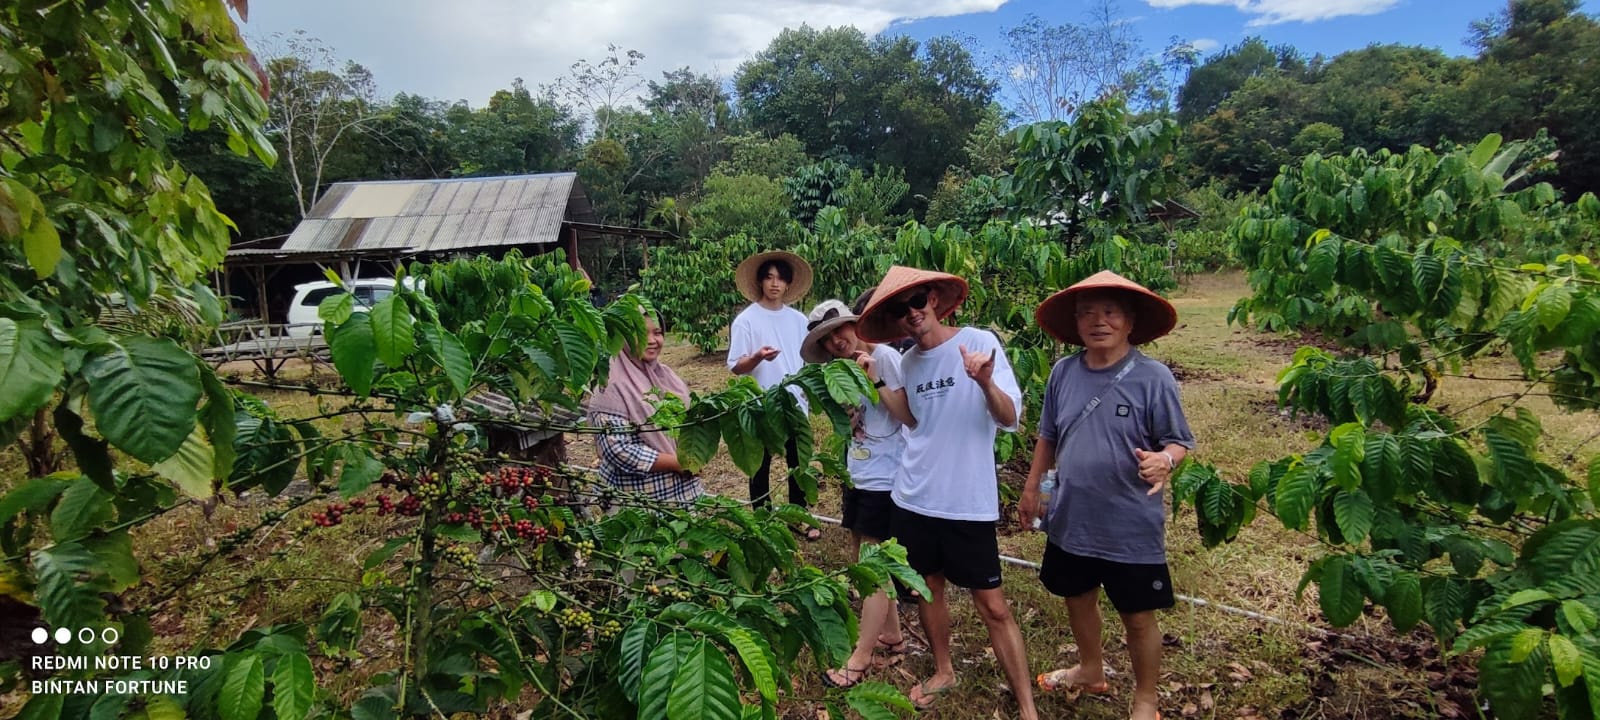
(1055, 681)
(892, 653)
(929, 697)
(847, 671)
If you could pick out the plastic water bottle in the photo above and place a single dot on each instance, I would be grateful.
(1047, 487)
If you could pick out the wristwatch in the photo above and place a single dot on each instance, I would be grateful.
(880, 383)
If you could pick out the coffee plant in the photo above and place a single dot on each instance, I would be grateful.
(1421, 262)
(506, 583)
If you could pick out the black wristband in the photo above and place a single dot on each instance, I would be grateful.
(880, 383)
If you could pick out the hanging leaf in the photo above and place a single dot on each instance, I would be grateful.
(30, 367)
(1322, 263)
(360, 470)
(1339, 592)
(335, 309)
(294, 687)
(354, 352)
(42, 245)
(697, 442)
(452, 356)
(661, 672)
(68, 591)
(1566, 659)
(84, 506)
(1513, 688)
(243, 689)
(745, 449)
(143, 394)
(1295, 496)
(1354, 512)
(1403, 600)
(192, 467)
(393, 330)
(633, 646)
(704, 687)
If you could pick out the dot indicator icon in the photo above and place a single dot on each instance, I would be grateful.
(40, 636)
(63, 636)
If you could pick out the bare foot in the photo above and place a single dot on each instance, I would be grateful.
(1144, 710)
(1074, 679)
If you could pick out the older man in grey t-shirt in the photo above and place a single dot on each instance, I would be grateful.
(1114, 430)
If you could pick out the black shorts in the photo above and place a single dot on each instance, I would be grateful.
(868, 512)
(966, 552)
(1132, 588)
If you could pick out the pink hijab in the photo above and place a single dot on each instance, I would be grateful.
(631, 380)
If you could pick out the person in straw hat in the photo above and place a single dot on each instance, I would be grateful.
(874, 460)
(960, 390)
(764, 343)
(1113, 428)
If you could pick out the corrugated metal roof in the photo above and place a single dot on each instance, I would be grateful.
(443, 215)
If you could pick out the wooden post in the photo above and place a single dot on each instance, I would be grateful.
(572, 247)
(645, 239)
(261, 293)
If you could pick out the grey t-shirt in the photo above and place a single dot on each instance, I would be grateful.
(1100, 507)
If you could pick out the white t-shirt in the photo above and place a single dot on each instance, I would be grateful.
(784, 329)
(947, 470)
(881, 438)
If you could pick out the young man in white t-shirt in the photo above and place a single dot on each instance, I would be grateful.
(764, 343)
(960, 390)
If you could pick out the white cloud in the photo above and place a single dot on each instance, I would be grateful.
(1204, 45)
(1272, 12)
(467, 49)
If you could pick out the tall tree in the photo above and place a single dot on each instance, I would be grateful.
(409, 139)
(1224, 73)
(598, 89)
(1249, 136)
(316, 103)
(1053, 69)
(1392, 96)
(1538, 70)
(885, 101)
(517, 132)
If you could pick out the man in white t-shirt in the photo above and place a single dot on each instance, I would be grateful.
(960, 390)
(764, 343)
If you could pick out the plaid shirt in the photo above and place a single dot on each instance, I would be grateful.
(625, 463)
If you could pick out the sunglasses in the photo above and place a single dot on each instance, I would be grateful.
(898, 308)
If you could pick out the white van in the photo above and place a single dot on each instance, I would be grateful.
(303, 319)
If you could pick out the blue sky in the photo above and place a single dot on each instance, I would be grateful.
(467, 49)
(1442, 24)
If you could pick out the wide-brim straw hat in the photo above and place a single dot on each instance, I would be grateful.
(824, 318)
(1153, 316)
(875, 325)
(745, 276)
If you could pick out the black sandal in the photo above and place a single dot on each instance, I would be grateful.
(847, 671)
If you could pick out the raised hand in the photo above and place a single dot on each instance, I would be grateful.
(767, 352)
(980, 367)
(868, 365)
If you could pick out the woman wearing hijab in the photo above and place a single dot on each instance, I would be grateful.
(631, 459)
